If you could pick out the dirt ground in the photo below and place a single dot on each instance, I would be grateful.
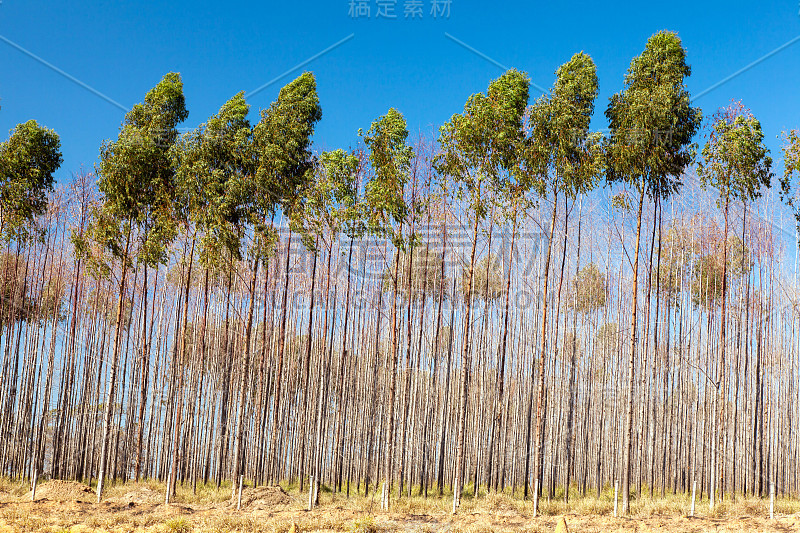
(63, 506)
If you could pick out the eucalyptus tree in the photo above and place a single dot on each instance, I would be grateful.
(791, 168)
(328, 205)
(284, 166)
(652, 124)
(561, 156)
(479, 148)
(736, 163)
(212, 164)
(137, 181)
(385, 212)
(28, 160)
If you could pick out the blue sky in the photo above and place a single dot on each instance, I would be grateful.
(122, 48)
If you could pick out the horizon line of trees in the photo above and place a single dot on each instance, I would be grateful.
(407, 315)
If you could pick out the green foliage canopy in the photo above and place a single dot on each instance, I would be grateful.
(28, 160)
(735, 160)
(560, 153)
(137, 178)
(384, 208)
(652, 121)
(483, 142)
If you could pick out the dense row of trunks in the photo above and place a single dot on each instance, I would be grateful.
(322, 408)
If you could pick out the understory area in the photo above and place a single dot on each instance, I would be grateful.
(68, 506)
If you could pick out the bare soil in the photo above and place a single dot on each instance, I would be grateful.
(63, 491)
(262, 499)
(140, 496)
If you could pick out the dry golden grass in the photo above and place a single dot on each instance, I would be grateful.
(209, 509)
(9, 488)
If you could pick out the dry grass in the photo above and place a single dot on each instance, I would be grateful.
(209, 509)
(177, 525)
(15, 488)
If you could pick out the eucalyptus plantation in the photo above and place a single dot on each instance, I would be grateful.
(511, 306)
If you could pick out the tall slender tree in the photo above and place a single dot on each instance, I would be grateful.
(284, 168)
(561, 157)
(652, 124)
(385, 211)
(478, 148)
(734, 162)
(137, 180)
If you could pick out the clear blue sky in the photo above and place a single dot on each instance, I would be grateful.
(122, 48)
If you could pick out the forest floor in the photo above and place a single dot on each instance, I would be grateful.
(63, 506)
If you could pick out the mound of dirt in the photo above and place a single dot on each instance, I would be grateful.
(262, 498)
(140, 496)
(63, 491)
(500, 503)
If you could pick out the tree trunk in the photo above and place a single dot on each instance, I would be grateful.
(628, 444)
